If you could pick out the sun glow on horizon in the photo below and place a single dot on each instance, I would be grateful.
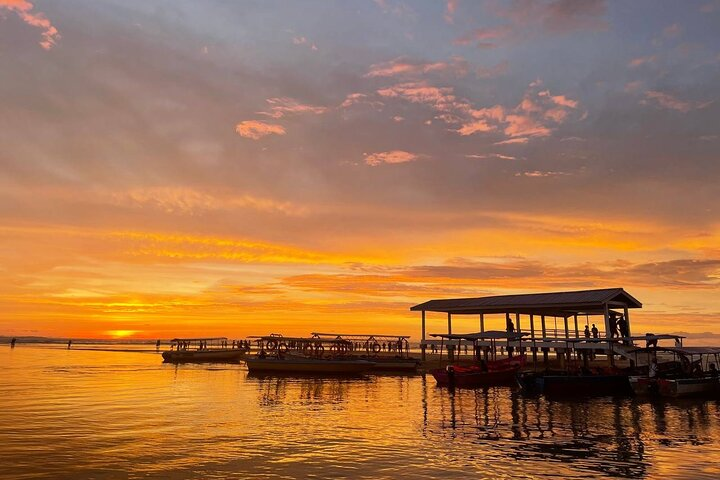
(119, 334)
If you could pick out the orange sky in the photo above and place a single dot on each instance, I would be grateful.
(244, 170)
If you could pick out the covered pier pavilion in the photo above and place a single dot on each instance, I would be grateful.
(530, 314)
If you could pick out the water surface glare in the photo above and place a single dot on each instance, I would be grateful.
(101, 414)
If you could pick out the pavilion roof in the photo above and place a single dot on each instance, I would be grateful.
(553, 303)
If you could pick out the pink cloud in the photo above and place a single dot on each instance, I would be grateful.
(480, 36)
(440, 98)
(555, 16)
(450, 9)
(525, 126)
(537, 114)
(401, 66)
(494, 71)
(563, 101)
(281, 106)
(639, 61)
(511, 141)
(393, 156)
(491, 155)
(23, 8)
(665, 100)
(256, 130)
(538, 173)
(633, 86)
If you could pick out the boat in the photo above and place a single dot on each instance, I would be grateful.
(590, 382)
(486, 369)
(209, 349)
(301, 355)
(690, 372)
(502, 372)
(389, 353)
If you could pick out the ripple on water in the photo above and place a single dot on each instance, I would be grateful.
(119, 414)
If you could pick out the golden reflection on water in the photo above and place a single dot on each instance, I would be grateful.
(82, 413)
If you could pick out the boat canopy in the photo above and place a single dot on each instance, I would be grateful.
(280, 338)
(361, 336)
(489, 335)
(687, 351)
(206, 339)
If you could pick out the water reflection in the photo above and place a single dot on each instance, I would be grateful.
(605, 435)
(99, 414)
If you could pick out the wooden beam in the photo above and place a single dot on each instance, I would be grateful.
(577, 330)
(449, 323)
(482, 322)
(422, 349)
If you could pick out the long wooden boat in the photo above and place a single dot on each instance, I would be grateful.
(211, 349)
(305, 365)
(572, 384)
(390, 353)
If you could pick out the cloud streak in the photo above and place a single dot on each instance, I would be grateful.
(24, 10)
(255, 130)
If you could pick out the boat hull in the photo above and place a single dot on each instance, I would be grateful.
(474, 379)
(308, 366)
(675, 387)
(193, 356)
(393, 364)
(575, 385)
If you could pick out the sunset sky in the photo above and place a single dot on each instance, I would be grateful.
(226, 167)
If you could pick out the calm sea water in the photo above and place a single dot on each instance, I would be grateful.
(99, 414)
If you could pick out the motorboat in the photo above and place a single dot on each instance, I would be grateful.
(476, 376)
(691, 371)
(588, 382)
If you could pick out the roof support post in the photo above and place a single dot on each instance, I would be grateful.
(577, 331)
(449, 323)
(518, 330)
(627, 320)
(608, 334)
(482, 322)
(532, 338)
(567, 331)
(422, 343)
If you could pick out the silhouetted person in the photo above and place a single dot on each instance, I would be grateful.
(613, 327)
(12, 342)
(509, 323)
(157, 345)
(623, 327)
(712, 370)
(650, 341)
(69, 344)
(587, 331)
(595, 331)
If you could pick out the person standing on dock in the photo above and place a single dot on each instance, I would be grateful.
(587, 331)
(69, 344)
(595, 331)
(157, 345)
(12, 342)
